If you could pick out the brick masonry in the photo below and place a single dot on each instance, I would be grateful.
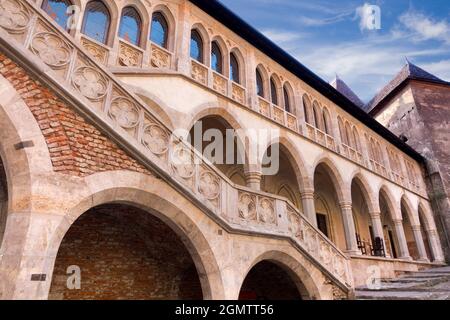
(76, 147)
(124, 253)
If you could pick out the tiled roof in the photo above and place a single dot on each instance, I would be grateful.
(344, 89)
(409, 72)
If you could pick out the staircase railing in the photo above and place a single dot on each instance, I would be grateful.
(28, 30)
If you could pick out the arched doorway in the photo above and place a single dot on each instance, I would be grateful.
(3, 201)
(328, 211)
(124, 252)
(363, 224)
(268, 280)
(230, 160)
(409, 233)
(390, 236)
(285, 182)
(426, 239)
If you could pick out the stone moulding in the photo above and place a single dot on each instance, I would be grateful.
(87, 85)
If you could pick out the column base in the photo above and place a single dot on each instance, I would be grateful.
(424, 260)
(353, 252)
(406, 258)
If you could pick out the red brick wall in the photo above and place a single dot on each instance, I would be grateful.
(267, 281)
(124, 253)
(76, 147)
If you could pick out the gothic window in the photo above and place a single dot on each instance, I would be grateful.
(97, 20)
(309, 118)
(273, 91)
(342, 132)
(216, 58)
(234, 69)
(287, 99)
(160, 30)
(130, 26)
(58, 11)
(327, 121)
(196, 46)
(259, 84)
(317, 115)
(356, 139)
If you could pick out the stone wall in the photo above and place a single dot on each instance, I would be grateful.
(421, 113)
(124, 253)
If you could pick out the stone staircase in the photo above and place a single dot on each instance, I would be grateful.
(98, 95)
(433, 284)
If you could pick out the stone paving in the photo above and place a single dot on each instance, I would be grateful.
(433, 284)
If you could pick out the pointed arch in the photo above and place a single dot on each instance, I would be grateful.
(307, 109)
(317, 110)
(131, 23)
(328, 129)
(288, 98)
(275, 86)
(168, 16)
(219, 56)
(369, 195)
(342, 132)
(200, 38)
(237, 67)
(97, 21)
(262, 79)
(335, 176)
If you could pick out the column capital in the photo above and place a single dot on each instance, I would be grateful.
(397, 221)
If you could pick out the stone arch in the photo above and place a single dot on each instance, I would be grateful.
(225, 54)
(430, 233)
(412, 214)
(200, 28)
(328, 126)
(275, 79)
(317, 111)
(265, 80)
(307, 110)
(171, 21)
(368, 193)
(154, 203)
(295, 159)
(227, 121)
(242, 65)
(115, 20)
(291, 96)
(143, 12)
(298, 272)
(18, 126)
(338, 182)
(386, 194)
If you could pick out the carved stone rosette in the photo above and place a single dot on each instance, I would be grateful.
(209, 185)
(97, 52)
(128, 56)
(14, 16)
(266, 211)
(160, 58)
(247, 206)
(182, 162)
(52, 50)
(90, 83)
(124, 112)
(156, 139)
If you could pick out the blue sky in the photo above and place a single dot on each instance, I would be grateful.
(327, 37)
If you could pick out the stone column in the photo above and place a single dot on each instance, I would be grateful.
(417, 231)
(309, 207)
(378, 232)
(349, 228)
(435, 246)
(401, 239)
(253, 180)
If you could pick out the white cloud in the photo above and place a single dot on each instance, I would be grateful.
(370, 17)
(440, 68)
(425, 28)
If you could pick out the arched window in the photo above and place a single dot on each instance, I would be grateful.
(317, 115)
(273, 91)
(234, 69)
(130, 26)
(57, 9)
(196, 46)
(344, 139)
(160, 30)
(287, 99)
(356, 139)
(96, 21)
(216, 58)
(349, 134)
(327, 121)
(259, 84)
(309, 118)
